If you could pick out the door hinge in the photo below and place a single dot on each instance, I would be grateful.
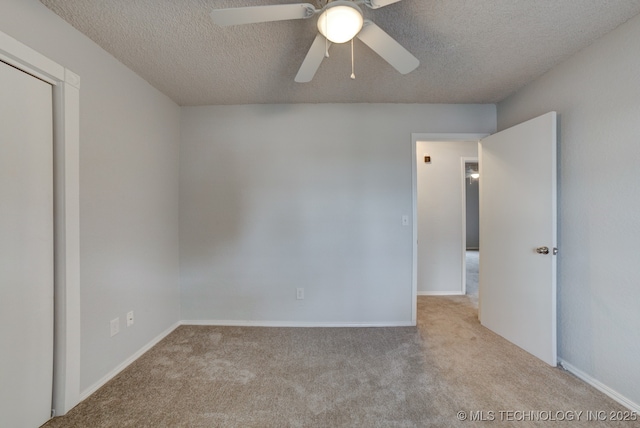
(555, 251)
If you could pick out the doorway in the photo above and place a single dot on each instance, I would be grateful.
(513, 261)
(438, 256)
(471, 224)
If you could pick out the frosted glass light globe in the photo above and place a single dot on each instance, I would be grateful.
(340, 21)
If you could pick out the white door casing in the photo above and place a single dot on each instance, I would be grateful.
(66, 141)
(518, 214)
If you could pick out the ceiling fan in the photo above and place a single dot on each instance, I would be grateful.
(339, 21)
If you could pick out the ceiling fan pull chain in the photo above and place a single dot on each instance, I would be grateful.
(353, 69)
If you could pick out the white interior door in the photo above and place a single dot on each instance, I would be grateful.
(517, 217)
(26, 249)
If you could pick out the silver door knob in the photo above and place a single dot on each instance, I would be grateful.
(542, 250)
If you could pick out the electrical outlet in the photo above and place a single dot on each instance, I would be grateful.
(129, 319)
(300, 293)
(115, 326)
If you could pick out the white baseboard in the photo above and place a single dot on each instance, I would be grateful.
(599, 386)
(248, 323)
(93, 388)
(440, 293)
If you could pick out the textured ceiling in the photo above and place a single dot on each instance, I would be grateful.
(471, 51)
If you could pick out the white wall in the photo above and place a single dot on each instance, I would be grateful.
(440, 208)
(597, 96)
(275, 197)
(129, 135)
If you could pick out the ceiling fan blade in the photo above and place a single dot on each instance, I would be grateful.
(375, 4)
(385, 46)
(313, 59)
(251, 15)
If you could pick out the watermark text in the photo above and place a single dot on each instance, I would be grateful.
(547, 415)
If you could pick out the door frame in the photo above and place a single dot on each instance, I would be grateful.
(66, 160)
(415, 137)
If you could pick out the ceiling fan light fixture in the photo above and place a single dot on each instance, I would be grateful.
(340, 21)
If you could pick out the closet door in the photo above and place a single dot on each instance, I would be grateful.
(26, 249)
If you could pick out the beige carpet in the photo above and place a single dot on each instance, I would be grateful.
(342, 377)
(472, 261)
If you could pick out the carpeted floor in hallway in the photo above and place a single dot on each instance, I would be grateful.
(472, 266)
(422, 376)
